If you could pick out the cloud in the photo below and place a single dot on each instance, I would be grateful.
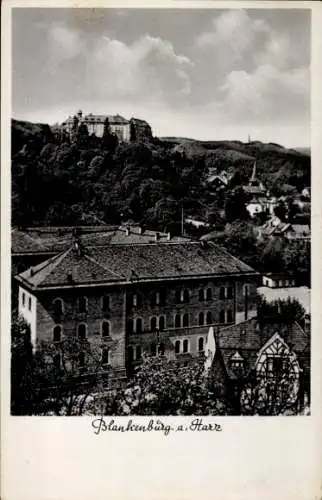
(266, 94)
(65, 43)
(235, 32)
(148, 67)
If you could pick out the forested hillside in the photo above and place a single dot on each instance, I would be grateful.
(90, 180)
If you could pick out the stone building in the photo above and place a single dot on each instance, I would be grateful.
(138, 298)
(96, 123)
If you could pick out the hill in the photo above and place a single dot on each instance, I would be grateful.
(89, 179)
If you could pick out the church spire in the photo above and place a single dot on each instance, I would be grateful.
(253, 177)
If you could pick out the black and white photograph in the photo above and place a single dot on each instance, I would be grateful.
(160, 212)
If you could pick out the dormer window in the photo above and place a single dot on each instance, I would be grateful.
(237, 362)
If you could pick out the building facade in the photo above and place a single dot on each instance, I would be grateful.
(96, 124)
(137, 299)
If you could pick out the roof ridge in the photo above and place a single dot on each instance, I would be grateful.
(103, 267)
(55, 261)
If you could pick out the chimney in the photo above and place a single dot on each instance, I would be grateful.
(127, 231)
(32, 272)
(168, 236)
(140, 230)
(157, 236)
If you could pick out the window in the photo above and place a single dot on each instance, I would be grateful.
(201, 295)
(133, 300)
(156, 298)
(130, 326)
(246, 288)
(162, 297)
(58, 306)
(82, 305)
(230, 292)
(162, 323)
(185, 345)
(178, 296)
(222, 317)
(81, 360)
(57, 333)
(130, 353)
(161, 349)
(81, 331)
(153, 349)
(177, 321)
(105, 329)
(186, 296)
(209, 294)
(138, 328)
(201, 319)
(177, 346)
(105, 303)
(29, 303)
(105, 356)
(185, 319)
(23, 299)
(230, 316)
(209, 318)
(138, 352)
(222, 292)
(276, 364)
(201, 344)
(153, 323)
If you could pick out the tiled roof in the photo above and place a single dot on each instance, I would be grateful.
(39, 241)
(127, 263)
(249, 336)
(22, 242)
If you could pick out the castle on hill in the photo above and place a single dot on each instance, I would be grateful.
(96, 123)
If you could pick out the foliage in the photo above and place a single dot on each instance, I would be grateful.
(52, 380)
(163, 387)
(270, 395)
(288, 310)
(22, 383)
(51, 173)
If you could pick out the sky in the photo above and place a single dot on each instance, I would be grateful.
(209, 74)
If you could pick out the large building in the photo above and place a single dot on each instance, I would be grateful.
(96, 123)
(137, 298)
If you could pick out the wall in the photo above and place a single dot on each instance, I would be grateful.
(29, 313)
(71, 318)
(122, 310)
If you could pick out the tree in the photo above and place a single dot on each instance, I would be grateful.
(235, 205)
(68, 372)
(163, 387)
(23, 386)
(287, 310)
